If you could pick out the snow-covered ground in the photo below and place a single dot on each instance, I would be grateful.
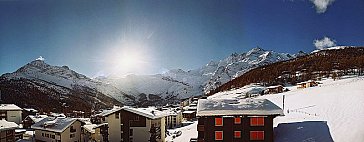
(332, 111)
(188, 132)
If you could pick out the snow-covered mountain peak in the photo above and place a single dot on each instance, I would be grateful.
(256, 50)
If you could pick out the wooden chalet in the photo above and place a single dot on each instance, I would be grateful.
(236, 120)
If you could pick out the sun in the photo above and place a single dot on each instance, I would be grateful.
(128, 58)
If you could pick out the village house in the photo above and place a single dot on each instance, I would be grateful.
(174, 117)
(11, 113)
(58, 130)
(231, 120)
(189, 112)
(32, 119)
(28, 111)
(136, 124)
(88, 133)
(274, 89)
(307, 84)
(7, 131)
(101, 132)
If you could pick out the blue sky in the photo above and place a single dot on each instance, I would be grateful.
(151, 36)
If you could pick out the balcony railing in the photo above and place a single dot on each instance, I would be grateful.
(200, 128)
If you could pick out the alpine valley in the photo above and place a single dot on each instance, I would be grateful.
(55, 88)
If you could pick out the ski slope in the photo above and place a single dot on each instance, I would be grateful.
(332, 111)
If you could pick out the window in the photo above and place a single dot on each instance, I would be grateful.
(218, 135)
(72, 135)
(131, 132)
(47, 135)
(136, 118)
(257, 121)
(218, 122)
(237, 120)
(256, 135)
(42, 134)
(117, 115)
(53, 136)
(237, 134)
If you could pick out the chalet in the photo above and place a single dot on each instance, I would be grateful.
(58, 129)
(11, 112)
(28, 111)
(173, 117)
(189, 112)
(231, 120)
(307, 84)
(31, 119)
(88, 132)
(136, 124)
(274, 89)
(7, 131)
(189, 115)
(101, 132)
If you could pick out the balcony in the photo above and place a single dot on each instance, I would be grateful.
(200, 128)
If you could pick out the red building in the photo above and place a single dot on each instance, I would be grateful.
(236, 120)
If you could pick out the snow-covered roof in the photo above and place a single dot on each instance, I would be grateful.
(217, 107)
(53, 114)
(105, 113)
(171, 111)
(37, 118)
(309, 81)
(87, 121)
(90, 127)
(5, 125)
(102, 124)
(149, 112)
(54, 124)
(9, 107)
(272, 87)
(30, 110)
(188, 112)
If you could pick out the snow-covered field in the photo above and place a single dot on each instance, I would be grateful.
(188, 132)
(332, 111)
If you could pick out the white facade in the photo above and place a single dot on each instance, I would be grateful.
(66, 136)
(14, 116)
(11, 113)
(142, 134)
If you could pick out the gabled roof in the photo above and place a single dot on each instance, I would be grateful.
(90, 128)
(105, 113)
(54, 124)
(9, 107)
(151, 113)
(5, 125)
(219, 107)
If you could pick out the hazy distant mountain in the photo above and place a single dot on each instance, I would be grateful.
(178, 84)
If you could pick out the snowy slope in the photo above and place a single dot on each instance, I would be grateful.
(333, 111)
(181, 84)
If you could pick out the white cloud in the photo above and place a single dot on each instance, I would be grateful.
(324, 43)
(321, 5)
(40, 58)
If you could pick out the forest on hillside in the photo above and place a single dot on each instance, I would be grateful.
(325, 63)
